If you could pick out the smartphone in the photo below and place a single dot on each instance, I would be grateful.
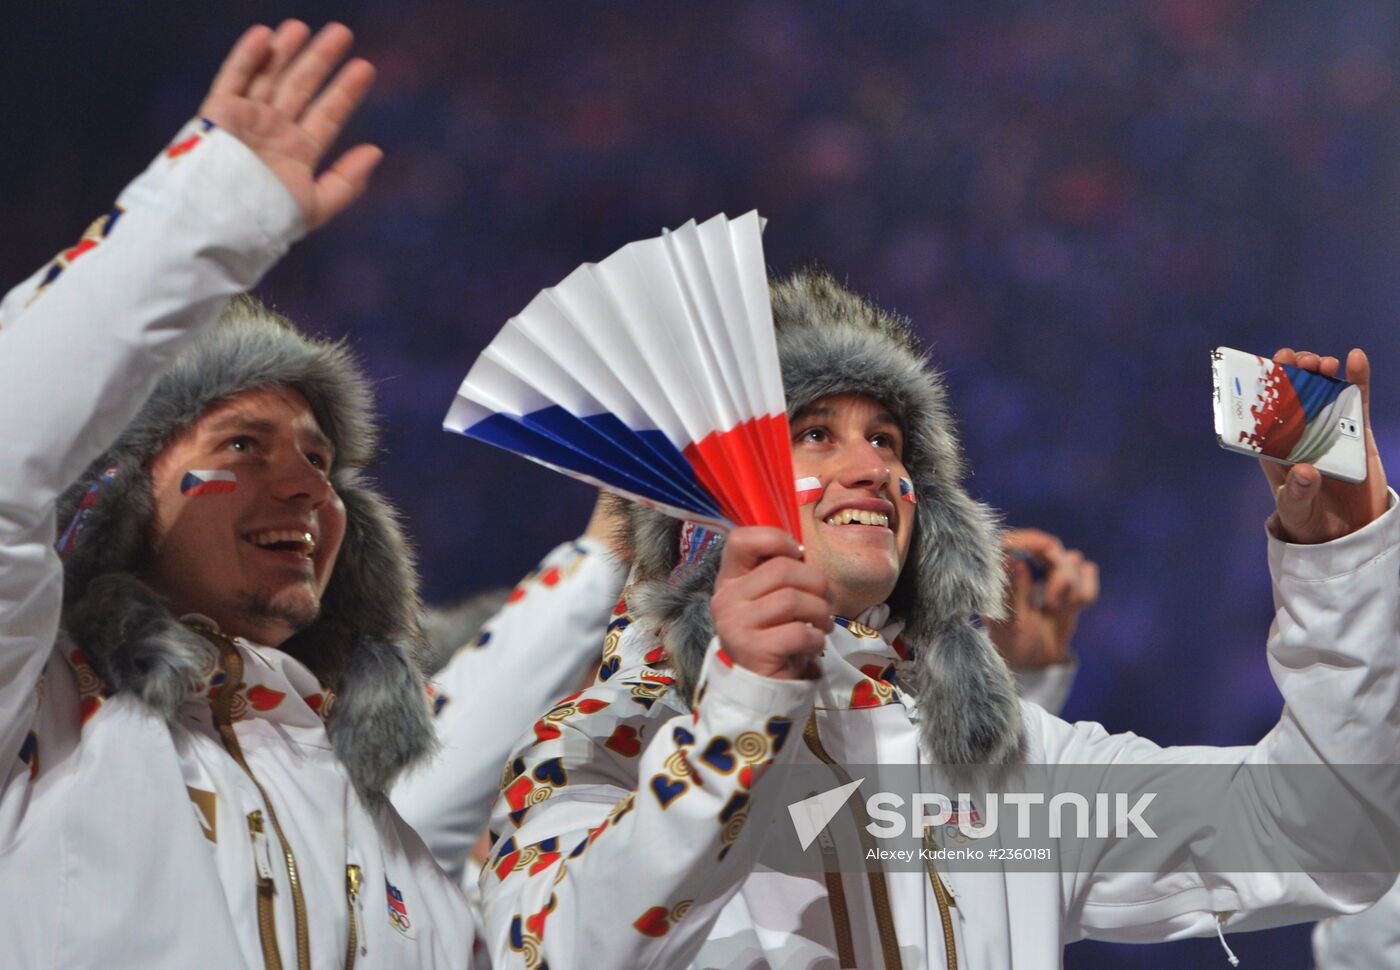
(1285, 414)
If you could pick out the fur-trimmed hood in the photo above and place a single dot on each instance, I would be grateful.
(364, 643)
(831, 341)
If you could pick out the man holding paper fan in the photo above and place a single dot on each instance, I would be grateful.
(633, 814)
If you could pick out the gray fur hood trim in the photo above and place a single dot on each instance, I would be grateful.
(831, 341)
(366, 641)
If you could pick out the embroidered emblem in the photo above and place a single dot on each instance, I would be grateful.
(398, 910)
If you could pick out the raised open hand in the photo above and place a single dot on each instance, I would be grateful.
(271, 94)
(1311, 507)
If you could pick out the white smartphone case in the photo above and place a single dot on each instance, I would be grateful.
(1288, 415)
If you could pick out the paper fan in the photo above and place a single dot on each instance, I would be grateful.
(653, 374)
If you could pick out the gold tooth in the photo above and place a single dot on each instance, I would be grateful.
(285, 535)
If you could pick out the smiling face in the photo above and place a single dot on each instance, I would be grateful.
(256, 557)
(857, 532)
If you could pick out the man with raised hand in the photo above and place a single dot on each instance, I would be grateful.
(205, 690)
(631, 817)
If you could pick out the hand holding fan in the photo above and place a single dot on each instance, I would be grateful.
(653, 374)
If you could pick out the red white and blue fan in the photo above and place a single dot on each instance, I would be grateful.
(653, 374)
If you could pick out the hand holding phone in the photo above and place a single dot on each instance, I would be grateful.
(1292, 412)
(1284, 413)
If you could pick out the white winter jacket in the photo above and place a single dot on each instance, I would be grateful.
(127, 840)
(538, 648)
(621, 807)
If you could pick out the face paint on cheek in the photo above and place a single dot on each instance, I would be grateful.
(906, 490)
(208, 482)
(808, 490)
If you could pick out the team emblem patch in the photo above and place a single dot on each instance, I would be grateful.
(398, 911)
(964, 813)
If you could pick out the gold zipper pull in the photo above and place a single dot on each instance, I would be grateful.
(267, 918)
(356, 912)
(262, 851)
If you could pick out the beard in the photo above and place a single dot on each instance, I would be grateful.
(295, 609)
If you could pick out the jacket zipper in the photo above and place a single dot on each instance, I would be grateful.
(220, 710)
(352, 894)
(267, 917)
(944, 898)
(879, 891)
(836, 899)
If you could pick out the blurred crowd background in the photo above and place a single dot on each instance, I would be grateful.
(1073, 202)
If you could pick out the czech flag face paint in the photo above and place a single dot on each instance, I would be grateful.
(906, 490)
(808, 490)
(208, 482)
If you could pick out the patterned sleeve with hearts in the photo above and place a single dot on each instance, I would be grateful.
(613, 831)
(539, 646)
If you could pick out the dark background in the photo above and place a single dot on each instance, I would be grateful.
(1074, 203)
